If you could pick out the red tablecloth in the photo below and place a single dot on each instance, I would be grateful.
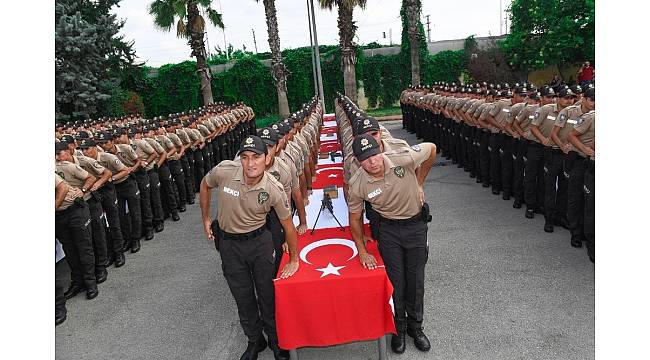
(332, 299)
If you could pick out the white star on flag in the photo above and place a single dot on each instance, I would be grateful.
(330, 270)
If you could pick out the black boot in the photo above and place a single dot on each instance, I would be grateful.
(420, 340)
(101, 274)
(182, 208)
(91, 291)
(119, 260)
(160, 227)
(576, 241)
(506, 196)
(60, 314)
(175, 216)
(253, 349)
(279, 354)
(398, 343)
(548, 227)
(135, 247)
(516, 204)
(148, 234)
(75, 289)
(530, 213)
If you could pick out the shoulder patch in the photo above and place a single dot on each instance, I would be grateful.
(537, 115)
(134, 146)
(399, 171)
(276, 175)
(416, 148)
(262, 197)
(580, 120)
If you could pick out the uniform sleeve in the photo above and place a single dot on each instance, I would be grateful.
(561, 118)
(95, 167)
(144, 145)
(355, 202)
(79, 173)
(213, 177)
(176, 140)
(583, 127)
(421, 152)
(131, 154)
(538, 117)
(496, 109)
(295, 182)
(57, 180)
(159, 149)
(281, 204)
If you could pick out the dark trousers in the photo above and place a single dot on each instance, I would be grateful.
(476, 152)
(495, 160)
(189, 177)
(590, 207)
(98, 232)
(109, 204)
(555, 185)
(534, 175)
(277, 234)
(178, 175)
(575, 167)
(248, 268)
(155, 197)
(520, 150)
(506, 153)
(142, 179)
(207, 158)
(60, 283)
(72, 228)
(131, 223)
(484, 155)
(405, 253)
(373, 220)
(168, 189)
(198, 168)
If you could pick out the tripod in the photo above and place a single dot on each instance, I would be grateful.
(326, 203)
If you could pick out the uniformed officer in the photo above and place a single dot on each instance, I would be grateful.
(108, 198)
(72, 225)
(175, 166)
(126, 189)
(245, 195)
(169, 193)
(392, 183)
(150, 149)
(581, 158)
(146, 154)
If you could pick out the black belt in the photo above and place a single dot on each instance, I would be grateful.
(76, 204)
(409, 221)
(241, 237)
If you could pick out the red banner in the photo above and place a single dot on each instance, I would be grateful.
(330, 175)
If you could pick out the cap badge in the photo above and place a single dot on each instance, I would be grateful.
(364, 142)
(265, 131)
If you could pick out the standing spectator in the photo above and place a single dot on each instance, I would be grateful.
(586, 74)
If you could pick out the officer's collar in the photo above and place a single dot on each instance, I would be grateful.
(239, 176)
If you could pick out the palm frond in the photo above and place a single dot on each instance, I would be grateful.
(327, 4)
(204, 3)
(163, 13)
(199, 24)
(181, 29)
(180, 7)
(215, 18)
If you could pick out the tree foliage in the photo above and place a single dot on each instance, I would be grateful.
(89, 57)
(547, 32)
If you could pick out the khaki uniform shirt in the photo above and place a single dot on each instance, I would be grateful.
(544, 118)
(127, 154)
(514, 111)
(243, 208)
(112, 163)
(167, 145)
(525, 117)
(144, 150)
(73, 174)
(89, 164)
(70, 196)
(586, 127)
(282, 173)
(396, 195)
(566, 120)
(500, 112)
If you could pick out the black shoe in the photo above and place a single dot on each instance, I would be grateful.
(92, 292)
(398, 343)
(190, 201)
(126, 247)
(119, 260)
(175, 216)
(472, 175)
(548, 227)
(516, 204)
(110, 260)
(420, 340)
(539, 210)
(73, 290)
(530, 213)
(182, 209)
(561, 222)
(460, 166)
(279, 354)
(135, 247)
(576, 241)
(253, 349)
(148, 235)
(478, 180)
(486, 185)
(496, 192)
(101, 275)
(160, 227)
(59, 319)
(466, 169)
(506, 196)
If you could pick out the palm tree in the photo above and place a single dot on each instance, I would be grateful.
(190, 25)
(412, 9)
(279, 70)
(346, 36)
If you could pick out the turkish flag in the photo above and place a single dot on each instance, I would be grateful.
(328, 129)
(330, 146)
(331, 175)
(332, 299)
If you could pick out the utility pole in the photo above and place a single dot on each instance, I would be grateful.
(254, 41)
(313, 58)
(428, 29)
(317, 55)
(390, 36)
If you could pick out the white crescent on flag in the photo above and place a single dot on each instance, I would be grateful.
(316, 244)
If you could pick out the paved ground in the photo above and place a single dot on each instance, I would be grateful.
(498, 287)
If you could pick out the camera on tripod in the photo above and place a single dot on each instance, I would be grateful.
(327, 202)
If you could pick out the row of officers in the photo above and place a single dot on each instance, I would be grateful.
(118, 180)
(536, 145)
(383, 178)
(257, 194)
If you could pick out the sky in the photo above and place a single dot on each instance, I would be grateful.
(449, 20)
